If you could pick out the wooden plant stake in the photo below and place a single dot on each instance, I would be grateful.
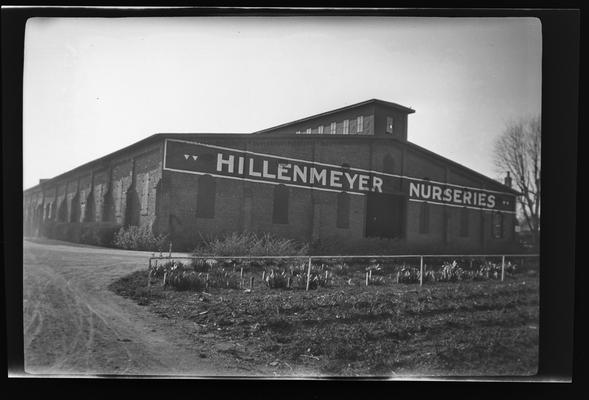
(288, 282)
(308, 275)
(170, 253)
(370, 275)
(398, 272)
(252, 283)
(263, 275)
(165, 275)
(421, 272)
(502, 268)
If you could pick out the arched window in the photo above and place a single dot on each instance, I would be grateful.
(75, 214)
(89, 213)
(464, 222)
(47, 212)
(108, 206)
(62, 215)
(280, 209)
(207, 192)
(388, 164)
(424, 218)
(132, 207)
(343, 210)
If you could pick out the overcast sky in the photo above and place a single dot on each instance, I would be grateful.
(93, 86)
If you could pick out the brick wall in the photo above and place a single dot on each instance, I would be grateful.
(168, 200)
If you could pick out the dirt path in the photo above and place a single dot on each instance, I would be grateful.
(73, 324)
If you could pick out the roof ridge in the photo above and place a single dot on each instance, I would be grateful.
(408, 110)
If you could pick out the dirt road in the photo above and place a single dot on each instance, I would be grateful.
(73, 324)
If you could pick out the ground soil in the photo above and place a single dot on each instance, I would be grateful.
(484, 328)
(75, 325)
(87, 311)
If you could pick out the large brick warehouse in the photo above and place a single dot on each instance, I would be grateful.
(346, 174)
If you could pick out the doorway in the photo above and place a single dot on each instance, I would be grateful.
(385, 215)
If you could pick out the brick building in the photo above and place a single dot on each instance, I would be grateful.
(349, 173)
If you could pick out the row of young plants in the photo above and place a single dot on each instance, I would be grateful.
(205, 273)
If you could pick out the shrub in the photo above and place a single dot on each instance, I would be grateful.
(98, 234)
(140, 238)
(250, 244)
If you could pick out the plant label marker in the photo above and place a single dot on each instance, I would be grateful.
(502, 268)
(170, 253)
(366, 278)
(308, 275)
(421, 271)
(252, 283)
(165, 275)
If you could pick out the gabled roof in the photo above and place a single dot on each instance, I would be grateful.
(371, 101)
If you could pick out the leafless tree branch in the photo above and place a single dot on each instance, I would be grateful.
(518, 150)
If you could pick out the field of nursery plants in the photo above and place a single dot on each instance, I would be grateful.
(342, 316)
(303, 272)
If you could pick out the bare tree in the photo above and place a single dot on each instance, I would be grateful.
(517, 150)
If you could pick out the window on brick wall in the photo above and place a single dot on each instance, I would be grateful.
(320, 129)
(118, 199)
(343, 210)
(424, 218)
(389, 128)
(205, 201)
(497, 225)
(464, 222)
(346, 126)
(76, 209)
(63, 211)
(333, 128)
(145, 194)
(280, 206)
(89, 214)
(360, 124)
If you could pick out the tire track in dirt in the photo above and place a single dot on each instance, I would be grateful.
(74, 325)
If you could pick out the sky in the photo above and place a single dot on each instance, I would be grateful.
(95, 85)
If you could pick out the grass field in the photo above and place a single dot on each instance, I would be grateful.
(466, 328)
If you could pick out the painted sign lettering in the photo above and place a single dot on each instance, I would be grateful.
(218, 161)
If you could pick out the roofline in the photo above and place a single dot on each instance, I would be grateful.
(455, 164)
(363, 103)
(98, 160)
(162, 136)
